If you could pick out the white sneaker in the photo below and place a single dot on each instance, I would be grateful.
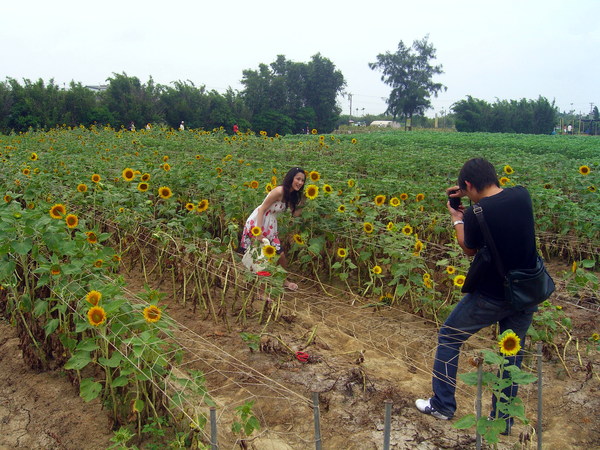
(424, 405)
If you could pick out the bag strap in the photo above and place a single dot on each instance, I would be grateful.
(478, 211)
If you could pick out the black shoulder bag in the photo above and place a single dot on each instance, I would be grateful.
(524, 288)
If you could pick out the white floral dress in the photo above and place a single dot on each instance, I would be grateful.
(269, 227)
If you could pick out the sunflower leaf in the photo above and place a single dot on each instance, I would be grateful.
(89, 389)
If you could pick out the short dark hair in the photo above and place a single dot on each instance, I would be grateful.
(479, 172)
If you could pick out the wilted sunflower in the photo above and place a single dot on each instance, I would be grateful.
(96, 315)
(98, 263)
(165, 192)
(342, 252)
(368, 227)
(327, 189)
(504, 180)
(376, 270)
(269, 251)
(379, 200)
(202, 206)
(508, 170)
(395, 202)
(96, 178)
(91, 237)
(312, 191)
(459, 280)
(342, 208)
(509, 343)
(585, 170)
(93, 297)
(82, 187)
(404, 196)
(190, 206)
(420, 197)
(128, 174)
(7, 198)
(298, 239)
(256, 231)
(152, 313)
(33, 157)
(72, 220)
(314, 176)
(254, 184)
(407, 230)
(143, 186)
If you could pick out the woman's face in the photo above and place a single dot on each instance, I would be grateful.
(298, 181)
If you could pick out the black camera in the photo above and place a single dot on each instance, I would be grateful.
(454, 201)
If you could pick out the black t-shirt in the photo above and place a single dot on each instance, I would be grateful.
(509, 216)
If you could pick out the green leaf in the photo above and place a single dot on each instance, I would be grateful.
(7, 268)
(51, 326)
(22, 247)
(87, 345)
(89, 389)
(465, 422)
(469, 378)
(40, 307)
(120, 381)
(114, 360)
(138, 405)
(493, 358)
(78, 361)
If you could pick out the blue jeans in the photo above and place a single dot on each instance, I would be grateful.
(472, 313)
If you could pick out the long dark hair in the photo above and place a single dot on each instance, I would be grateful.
(291, 198)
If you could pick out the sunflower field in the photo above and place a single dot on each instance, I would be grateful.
(83, 207)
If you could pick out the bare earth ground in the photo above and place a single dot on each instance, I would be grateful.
(359, 358)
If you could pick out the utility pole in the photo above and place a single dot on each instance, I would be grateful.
(350, 98)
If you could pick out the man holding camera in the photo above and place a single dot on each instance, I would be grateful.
(509, 215)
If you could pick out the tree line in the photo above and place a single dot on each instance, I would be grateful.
(284, 97)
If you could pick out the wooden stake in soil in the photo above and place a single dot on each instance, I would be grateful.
(213, 428)
(387, 424)
(317, 422)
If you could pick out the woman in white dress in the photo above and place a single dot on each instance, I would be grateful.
(287, 195)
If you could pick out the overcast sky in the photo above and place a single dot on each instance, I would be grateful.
(488, 49)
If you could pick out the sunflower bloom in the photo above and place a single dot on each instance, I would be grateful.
(342, 208)
(342, 252)
(459, 280)
(82, 187)
(93, 297)
(327, 189)
(72, 220)
(407, 230)
(91, 237)
(98, 263)
(96, 178)
(585, 170)
(428, 283)
(145, 177)
(574, 267)
(202, 206)
(312, 191)
(152, 313)
(509, 343)
(58, 211)
(166, 167)
(418, 247)
(314, 176)
(190, 206)
(354, 141)
(269, 251)
(379, 200)
(128, 174)
(256, 231)
(504, 181)
(376, 270)
(450, 270)
(165, 192)
(390, 226)
(351, 183)
(508, 170)
(96, 316)
(314, 131)
(33, 157)
(404, 196)
(420, 197)
(592, 188)
(55, 270)
(395, 202)
(7, 198)
(143, 186)
(254, 184)
(298, 239)
(368, 227)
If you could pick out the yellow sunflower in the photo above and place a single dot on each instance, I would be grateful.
(407, 230)
(202, 206)
(128, 174)
(312, 191)
(256, 231)
(508, 170)
(504, 181)
(55, 270)
(314, 131)
(314, 176)
(145, 177)
(592, 188)
(342, 208)
(509, 343)
(268, 187)
(368, 227)
(72, 220)
(342, 252)
(143, 186)
(96, 316)
(327, 189)
(152, 313)
(190, 206)
(450, 270)
(165, 192)
(574, 267)
(91, 237)
(404, 196)
(269, 251)
(165, 158)
(351, 183)
(98, 263)
(585, 170)
(33, 157)
(82, 187)
(254, 184)
(376, 270)
(420, 197)
(166, 167)
(96, 178)
(354, 141)
(390, 226)
(379, 200)
(26, 171)
(93, 297)
(418, 247)
(459, 280)
(298, 239)
(395, 202)
(7, 198)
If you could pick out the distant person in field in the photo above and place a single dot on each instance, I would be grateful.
(148, 126)
(182, 126)
(131, 126)
(235, 129)
(288, 194)
(509, 215)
